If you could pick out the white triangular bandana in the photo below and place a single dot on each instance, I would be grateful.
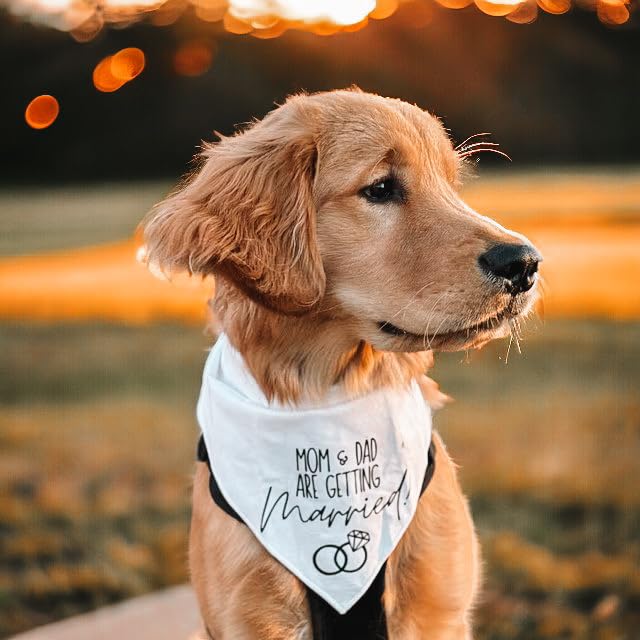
(328, 489)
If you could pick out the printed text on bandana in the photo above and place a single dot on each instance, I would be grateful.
(323, 475)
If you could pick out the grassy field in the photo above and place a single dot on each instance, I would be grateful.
(98, 391)
(96, 450)
(587, 225)
(37, 220)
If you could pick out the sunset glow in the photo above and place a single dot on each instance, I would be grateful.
(270, 18)
(337, 12)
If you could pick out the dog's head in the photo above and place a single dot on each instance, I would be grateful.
(345, 203)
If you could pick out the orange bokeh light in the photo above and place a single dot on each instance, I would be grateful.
(210, 10)
(555, 7)
(272, 32)
(42, 112)
(84, 19)
(526, 13)
(234, 25)
(612, 12)
(497, 7)
(455, 4)
(357, 26)
(193, 58)
(384, 9)
(127, 64)
(103, 78)
(114, 71)
(167, 13)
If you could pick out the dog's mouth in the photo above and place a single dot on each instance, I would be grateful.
(467, 337)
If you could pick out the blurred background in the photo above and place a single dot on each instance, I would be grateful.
(104, 104)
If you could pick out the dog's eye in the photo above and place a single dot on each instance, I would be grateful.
(382, 191)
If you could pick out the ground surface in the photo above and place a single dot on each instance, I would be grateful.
(97, 427)
(98, 446)
(164, 615)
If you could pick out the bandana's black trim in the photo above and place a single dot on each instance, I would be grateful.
(214, 489)
(366, 620)
(431, 467)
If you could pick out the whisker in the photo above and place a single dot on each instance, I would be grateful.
(506, 357)
(475, 135)
(412, 300)
(435, 333)
(484, 143)
(471, 152)
(516, 332)
(433, 308)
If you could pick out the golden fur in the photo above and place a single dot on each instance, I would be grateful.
(307, 273)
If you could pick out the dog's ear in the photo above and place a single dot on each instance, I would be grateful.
(248, 215)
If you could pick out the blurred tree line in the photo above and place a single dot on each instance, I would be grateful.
(564, 89)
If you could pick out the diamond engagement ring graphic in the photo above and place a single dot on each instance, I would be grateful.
(332, 559)
(357, 539)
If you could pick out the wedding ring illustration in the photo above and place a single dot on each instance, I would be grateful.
(332, 559)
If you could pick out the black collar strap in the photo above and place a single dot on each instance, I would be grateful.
(214, 489)
(366, 619)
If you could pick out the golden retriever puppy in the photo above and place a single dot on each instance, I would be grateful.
(343, 258)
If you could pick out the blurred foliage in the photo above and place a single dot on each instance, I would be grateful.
(96, 450)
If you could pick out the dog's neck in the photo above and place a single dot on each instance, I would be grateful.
(302, 357)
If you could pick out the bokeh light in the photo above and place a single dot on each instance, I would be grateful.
(210, 10)
(555, 7)
(612, 12)
(497, 7)
(127, 64)
(193, 58)
(525, 13)
(103, 78)
(84, 19)
(338, 12)
(384, 9)
(455, 4)
(42, 112)
(114, 71)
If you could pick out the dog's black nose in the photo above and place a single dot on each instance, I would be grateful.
(514, 264)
